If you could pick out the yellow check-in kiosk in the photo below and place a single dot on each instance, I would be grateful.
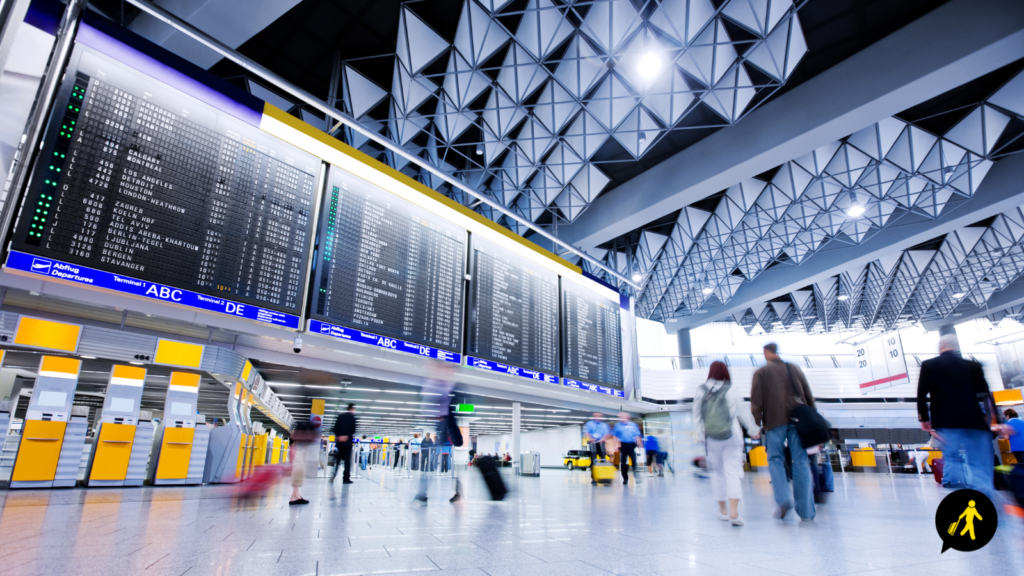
(111, 463)
(52, 439)
(172, 450)
(285, 454)
(249, 436)
(275, 452)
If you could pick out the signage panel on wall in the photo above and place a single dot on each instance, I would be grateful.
(881, 363)
(142, 181)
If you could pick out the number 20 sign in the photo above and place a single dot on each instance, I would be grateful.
(880, 362)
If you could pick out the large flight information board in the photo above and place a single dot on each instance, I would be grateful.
(140, 179)
(591, 336)
(387, 266)
(513, 310)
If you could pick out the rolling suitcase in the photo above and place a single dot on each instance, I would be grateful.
(602, 472)
(489, 469)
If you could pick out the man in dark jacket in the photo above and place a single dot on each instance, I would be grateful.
(344, 430)
(776, 389)
(961, 412)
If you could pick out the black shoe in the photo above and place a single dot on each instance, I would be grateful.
(347, 482)
(421, 497)
(455, 498)
(298, 502)
(625, 482)
(593, 482)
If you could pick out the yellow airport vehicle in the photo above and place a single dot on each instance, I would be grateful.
(577, 459)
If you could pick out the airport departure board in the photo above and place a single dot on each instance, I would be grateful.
(387, 266)
(591, 336)
(513, 309)
(140, 179)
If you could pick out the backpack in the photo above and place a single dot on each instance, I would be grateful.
(714, 410)
(448, 431)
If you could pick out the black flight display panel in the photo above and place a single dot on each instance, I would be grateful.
(388, 266)
(513, 309)
(591, 336)
(141, 179)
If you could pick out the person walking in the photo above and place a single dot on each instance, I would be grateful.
(344, 430)
(961, 412)
(595, 432)
(651, 450)
(719, 414)
(1017, 434)
(777, 388)
(414, 451)
(628, 434)
(427, 449)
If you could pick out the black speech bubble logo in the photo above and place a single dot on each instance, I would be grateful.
(966, 520)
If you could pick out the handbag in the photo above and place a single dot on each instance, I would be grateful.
(811, 427)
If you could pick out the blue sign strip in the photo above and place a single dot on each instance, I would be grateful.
(127, 285)
(352, 335)
(593, 388)
(510, 370)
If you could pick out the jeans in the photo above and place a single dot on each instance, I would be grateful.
(977, 458)
(627, 450)
(802, 494)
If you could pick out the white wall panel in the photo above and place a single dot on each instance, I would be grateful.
(824, 382)
(551, 443)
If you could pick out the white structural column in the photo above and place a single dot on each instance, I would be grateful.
(516, 407)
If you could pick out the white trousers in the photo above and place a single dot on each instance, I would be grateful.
(725, 460)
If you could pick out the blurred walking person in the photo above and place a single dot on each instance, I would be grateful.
(651, 449)
(628, 434)
(962, 413)
(777, 388)
(344, 431)
(719, 413)
(595, 432)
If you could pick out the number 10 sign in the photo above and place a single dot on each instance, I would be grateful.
(880, 362)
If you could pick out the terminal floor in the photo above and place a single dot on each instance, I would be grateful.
(552, 525)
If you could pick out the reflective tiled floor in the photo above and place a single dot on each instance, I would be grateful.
(555, 524)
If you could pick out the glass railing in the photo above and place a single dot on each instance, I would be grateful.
(826, 361)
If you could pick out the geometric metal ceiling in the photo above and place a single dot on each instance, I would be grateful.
(884, 171)
(520, 101)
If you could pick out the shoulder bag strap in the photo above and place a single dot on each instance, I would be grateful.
(798, 394)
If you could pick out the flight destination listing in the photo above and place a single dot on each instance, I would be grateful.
(387, 266)
(142, 180)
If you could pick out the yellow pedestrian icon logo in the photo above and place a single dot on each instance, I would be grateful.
(966, 520)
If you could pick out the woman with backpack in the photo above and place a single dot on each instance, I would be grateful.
(719, 413)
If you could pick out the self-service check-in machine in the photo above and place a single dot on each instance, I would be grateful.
(227, 444)
(176, 437)
(275, 453)
(111, 461)
(248, 437)
(50, 449)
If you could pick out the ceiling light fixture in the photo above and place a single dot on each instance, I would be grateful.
(649, 65)
(479, 150)
(856, 209)
(959, 295)
(844, 297)
(637, 277)
(707, 290)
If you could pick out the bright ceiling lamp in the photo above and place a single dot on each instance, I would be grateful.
(637, 277)
(649, 65)
(959, 295)
(856, 209)
(844, 297)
